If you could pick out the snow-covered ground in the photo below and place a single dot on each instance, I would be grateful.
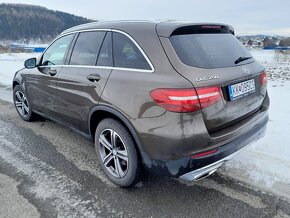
(10, 63)
(266, 163)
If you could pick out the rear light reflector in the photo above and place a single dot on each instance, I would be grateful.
(205, 153)
(186, 100)
(263, 78)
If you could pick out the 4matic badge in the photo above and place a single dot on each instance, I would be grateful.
(203, 79)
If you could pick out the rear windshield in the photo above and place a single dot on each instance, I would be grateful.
(213, 50)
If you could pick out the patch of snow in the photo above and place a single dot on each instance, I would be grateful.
(278, 71)
(266, 163)
(10, 63)
(17, 56)
(263, 55)
(50, 184)
(277, 64)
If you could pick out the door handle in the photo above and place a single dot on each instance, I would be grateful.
(52, 72)
(94, 77)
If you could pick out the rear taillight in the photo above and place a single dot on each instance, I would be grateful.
(208, 95)
(176, 100)
(186, 100)
(263, 78)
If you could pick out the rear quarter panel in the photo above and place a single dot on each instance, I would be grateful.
(129, 90)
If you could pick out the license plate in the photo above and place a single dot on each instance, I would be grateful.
(241, 89)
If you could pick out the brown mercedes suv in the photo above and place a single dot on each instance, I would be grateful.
(175, 98)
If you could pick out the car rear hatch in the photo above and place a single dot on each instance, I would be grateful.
(218, 66)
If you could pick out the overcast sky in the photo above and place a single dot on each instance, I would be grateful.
(246, 16)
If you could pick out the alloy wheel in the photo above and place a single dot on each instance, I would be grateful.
(21, 104)
(113, 153)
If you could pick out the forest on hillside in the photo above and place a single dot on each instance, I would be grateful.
(19, 21)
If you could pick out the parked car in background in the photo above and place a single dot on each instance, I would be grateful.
(175, 98)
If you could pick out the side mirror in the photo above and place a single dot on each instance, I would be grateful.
(30, 63)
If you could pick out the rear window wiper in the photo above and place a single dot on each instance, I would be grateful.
(241, 59)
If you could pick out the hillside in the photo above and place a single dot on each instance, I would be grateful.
(19, 21)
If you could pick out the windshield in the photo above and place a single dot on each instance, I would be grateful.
(209, 50)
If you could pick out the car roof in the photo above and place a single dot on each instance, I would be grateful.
(163, 28)
(120, 25)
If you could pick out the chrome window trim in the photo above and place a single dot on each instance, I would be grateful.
(140, 49)
(105, 67)
(96, 67)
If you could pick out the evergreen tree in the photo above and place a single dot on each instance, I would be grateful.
(20, 22)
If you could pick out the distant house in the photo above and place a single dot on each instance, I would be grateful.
(27, 48)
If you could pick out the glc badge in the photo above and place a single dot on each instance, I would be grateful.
(203, 79)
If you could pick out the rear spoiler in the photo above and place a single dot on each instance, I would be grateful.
(202, 29)
(167, 29)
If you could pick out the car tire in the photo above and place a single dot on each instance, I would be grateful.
(117, 153)
(22, 105)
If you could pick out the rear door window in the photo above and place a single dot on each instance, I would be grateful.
(209, 50)
(86, 48)
(126, 54)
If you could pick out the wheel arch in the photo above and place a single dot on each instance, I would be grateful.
(101, 112)
(15, 83)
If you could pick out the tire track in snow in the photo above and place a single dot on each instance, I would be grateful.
(52, 185)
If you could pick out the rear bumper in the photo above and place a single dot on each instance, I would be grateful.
(193, 169)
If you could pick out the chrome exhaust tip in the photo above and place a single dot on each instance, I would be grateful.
(201, 173)
(205, 171)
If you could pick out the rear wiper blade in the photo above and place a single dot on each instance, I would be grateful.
(241, 59)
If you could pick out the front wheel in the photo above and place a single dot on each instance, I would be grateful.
(117, 153)
(22, 104)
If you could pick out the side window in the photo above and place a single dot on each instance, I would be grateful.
(126, 54)
(86, 48)
(105, 55)
(56, 53)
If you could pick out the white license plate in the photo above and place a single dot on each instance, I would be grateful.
(241, 89)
